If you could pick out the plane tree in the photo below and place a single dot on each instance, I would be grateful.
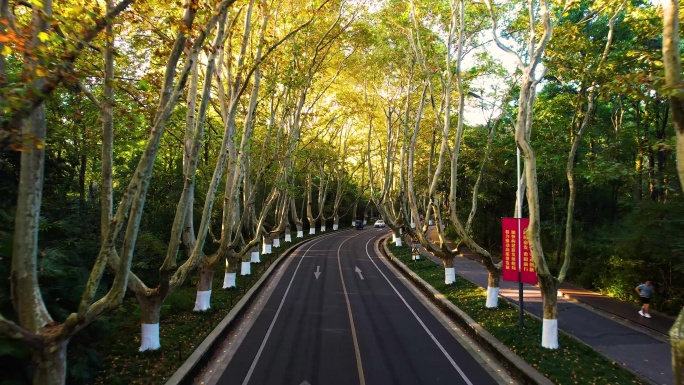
(35, 325)
(456, 43)
(673, 80)
(529, 64)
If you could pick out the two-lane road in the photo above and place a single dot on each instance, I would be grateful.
(336, 314)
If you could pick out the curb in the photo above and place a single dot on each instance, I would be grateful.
(510, 360)
(185, 373)
(437, 298)
(626, 321)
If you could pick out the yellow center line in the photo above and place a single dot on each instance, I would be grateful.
(357, 351)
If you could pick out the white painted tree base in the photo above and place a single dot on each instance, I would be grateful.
(492, 297)
(246, 268)
(300, 234)
(255, 257)
(431, 222)
(265, 248)
(401, 231)
(550, 333)
(365, 223)
(353, 223)
(202, 301)
(312, 231)
(288, 238)
(335, 227)
(397, 241)
(413, 225)
(149, 337)
(276, 242)
(322, 229)
(449, 275)
(229, 280)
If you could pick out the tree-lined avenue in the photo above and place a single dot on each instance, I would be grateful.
(344, 329)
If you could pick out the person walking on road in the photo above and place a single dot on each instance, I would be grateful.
(645, 290)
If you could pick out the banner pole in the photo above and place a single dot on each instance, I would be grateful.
(519, 238)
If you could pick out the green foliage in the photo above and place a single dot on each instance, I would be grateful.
(150, 252)
(646, 244)
(14, 359)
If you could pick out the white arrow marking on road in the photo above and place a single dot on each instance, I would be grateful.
(317, 273)
(356, 269)
(305, 383)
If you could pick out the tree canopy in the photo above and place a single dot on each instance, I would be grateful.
(145, 144)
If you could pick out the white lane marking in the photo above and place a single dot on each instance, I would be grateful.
(317, 273)
(275, 318)
(356, 269)
(357, 351)
(434, 339)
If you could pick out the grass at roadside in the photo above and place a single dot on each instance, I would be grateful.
(573, 363)
(181, 330)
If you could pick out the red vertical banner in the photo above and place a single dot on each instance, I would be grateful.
(516, 256)
(509, 261)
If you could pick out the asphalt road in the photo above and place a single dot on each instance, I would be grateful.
(336, 314)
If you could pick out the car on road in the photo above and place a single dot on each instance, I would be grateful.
(379, 223)
(359, 225)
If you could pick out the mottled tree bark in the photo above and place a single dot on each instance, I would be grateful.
(673, 77)
(206, 274)
(50, 362)
(536, 48)
(677, 342)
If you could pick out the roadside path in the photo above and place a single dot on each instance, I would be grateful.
(611, 327)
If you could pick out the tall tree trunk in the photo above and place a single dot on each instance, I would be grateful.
(677, 342)
(641, 152)
(204, 283)
(107, 196)
(26, 297)
(673, 77)
(150, 302)
(309, 205)
(230, 273)
(171, 277)
(548, 286)
(449, 270)
(82, 179)
(295, 218)
(25, 292)
(51, 362)
(536, 48)
(322, 193)
(354, 208)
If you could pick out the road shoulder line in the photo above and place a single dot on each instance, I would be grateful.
(510, 360)
(185, 373)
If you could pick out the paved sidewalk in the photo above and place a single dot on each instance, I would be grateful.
(660, 323)
(612, 327)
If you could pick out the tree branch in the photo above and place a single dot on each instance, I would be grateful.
(33, 98)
